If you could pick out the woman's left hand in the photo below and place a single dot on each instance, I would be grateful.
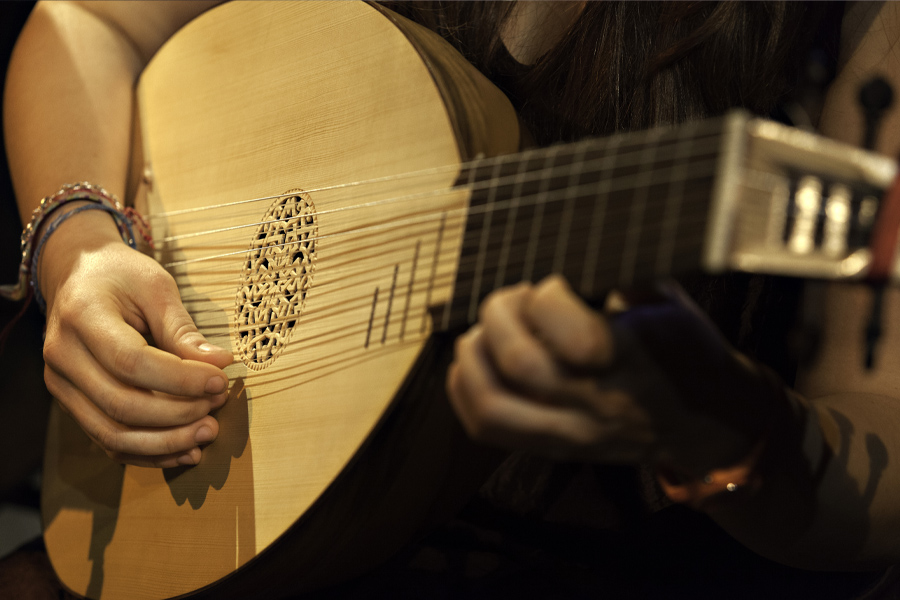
(543, 371)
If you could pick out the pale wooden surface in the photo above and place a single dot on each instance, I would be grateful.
(249, 101)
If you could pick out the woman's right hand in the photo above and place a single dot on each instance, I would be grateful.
(143, 404)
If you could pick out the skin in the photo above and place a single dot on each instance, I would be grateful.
(142, 404)
(541, 370)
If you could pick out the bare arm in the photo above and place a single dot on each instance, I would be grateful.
(67, 110)
(67, 115)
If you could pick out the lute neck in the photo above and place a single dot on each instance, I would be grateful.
(612, 212)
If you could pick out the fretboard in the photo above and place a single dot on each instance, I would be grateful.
(613, 212)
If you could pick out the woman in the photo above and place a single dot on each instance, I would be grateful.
(541, 371)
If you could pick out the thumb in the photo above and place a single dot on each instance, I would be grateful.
(174, 330)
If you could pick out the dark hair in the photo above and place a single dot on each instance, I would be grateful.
(632, 65)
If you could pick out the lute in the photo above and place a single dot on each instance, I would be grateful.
(335, 189)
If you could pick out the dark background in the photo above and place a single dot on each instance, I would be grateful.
(23, 399)
(12, 18)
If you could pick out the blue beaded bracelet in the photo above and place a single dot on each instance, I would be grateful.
(54, 224)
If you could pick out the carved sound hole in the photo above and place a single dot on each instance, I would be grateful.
(276, 279)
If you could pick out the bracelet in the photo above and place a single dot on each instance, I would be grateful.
(35, 285)
(126, 219)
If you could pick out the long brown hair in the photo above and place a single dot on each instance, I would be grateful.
(631, 65)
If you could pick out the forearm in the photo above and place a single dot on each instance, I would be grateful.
(68, 104)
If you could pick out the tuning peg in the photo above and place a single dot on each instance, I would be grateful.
(875, 97)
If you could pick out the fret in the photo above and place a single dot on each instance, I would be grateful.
(674, 203)
(510, 226)
(538, 221)
(409, 289)
(601, 212)
(636, 217)
(575, 171)
(390, 305)
(434, 266)
(598, 214)
(371, 318)
(530, 204)
(474, 295)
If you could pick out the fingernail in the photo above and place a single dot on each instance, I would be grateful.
(215, 385)
(204, 435)
(207, 347)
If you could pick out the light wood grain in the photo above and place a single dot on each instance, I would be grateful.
(249, 101)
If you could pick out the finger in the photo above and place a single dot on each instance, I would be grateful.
(492, 413)
(520, 358)
(174, 330)
(119, 440)
(568, 328)
(125, 404)
(125, 355)
(181, 459)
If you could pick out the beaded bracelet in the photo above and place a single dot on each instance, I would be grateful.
(54, 224)
(125, 219)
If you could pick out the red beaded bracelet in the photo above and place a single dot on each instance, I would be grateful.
(124, 217)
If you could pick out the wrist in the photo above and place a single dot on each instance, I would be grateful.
(79, 232)
(99, 199)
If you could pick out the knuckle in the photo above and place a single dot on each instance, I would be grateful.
(550, 287)
(181, 326)
(127, 361)
(519, 362)
(591, 344)
(53, 352)
(120, 409)
(160, 280)
(110, 439)
(54, 383)
(499, 301)
(64, 310)
(69, 307)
